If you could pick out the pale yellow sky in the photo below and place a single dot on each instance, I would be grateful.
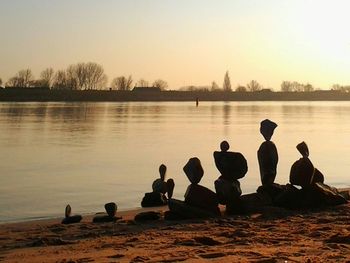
(188, 42)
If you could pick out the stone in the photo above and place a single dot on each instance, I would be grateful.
(193, 170)
(72, 219)
(303, 149)
(327, 195)
(159, 186)
(318, 177)
(153, 199)
(104, 219)
(267, 128)
(272, 190)
(301, 172)
(227, 191)
(170, 187)
(69, 219)
(231, 165)
(202, 197)
(111, 209)
(181, 210)
(290, 198)
(268, 159)
(68, 211)
(147, 216)
(254, 202)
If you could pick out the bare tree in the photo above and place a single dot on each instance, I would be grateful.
(23, 79)
(0, 82)
(297, 86)
(253, 86)
(161, 84)
(60, 80)
(47, 76)
(71, 78)
(214, 86)
(122, 83)
(286, 86)
(227, 83)
(308, 87)
(95, 78)
(241, 88)
(142, 83)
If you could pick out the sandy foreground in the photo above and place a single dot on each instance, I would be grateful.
(272, 235)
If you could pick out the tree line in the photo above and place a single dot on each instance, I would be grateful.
(80, 76)
(91, 76)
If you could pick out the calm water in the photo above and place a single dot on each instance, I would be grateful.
(87, 154)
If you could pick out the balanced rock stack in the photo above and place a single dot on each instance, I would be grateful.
(199, 201)
(314, 193)
(267, 153)
(69, 219)
(232, 166)
(303, 172)
(111, 209)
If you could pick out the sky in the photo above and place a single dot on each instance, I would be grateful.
(185, 42)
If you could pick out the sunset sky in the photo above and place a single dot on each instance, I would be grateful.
(185, 42)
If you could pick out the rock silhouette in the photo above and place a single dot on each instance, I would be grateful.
(267, 154)
(69, 219)
(303, 172)
(162, 190)
(111, 210)
(199, 201)
(232, 166)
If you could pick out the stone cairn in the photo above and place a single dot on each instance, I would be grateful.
(232, 166)
(267, 153)
(69, 219)
(161, 190)
(303, 172)
(197, 195)
(111, 210)
(313, 193)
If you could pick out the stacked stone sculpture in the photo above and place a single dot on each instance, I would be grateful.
(303, 172)
(161, 190)
(69, 219)
(232, 166)
(111, 209)
(267, 154)
(199, 201)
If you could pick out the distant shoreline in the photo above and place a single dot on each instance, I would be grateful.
(46, 95)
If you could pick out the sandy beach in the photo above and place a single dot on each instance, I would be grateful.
(272, 235)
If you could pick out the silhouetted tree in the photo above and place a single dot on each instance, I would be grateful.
(60, 80)
(47, 77)
(241, 89)
(214, 86)
(22, 79)
(227, 83)
(159, 83)
(142, 83)
(296, 86)
(95, 78)
(286, 86)
(308, 87)
(0, 82)
(253, 86)
(122, 83)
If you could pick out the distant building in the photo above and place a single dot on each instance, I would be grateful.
(265, 90)
(147, 89)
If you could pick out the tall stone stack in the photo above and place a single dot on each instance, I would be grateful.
(267, 154)
(232, 166)
(197, 195)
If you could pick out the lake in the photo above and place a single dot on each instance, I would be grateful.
(88, 154)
